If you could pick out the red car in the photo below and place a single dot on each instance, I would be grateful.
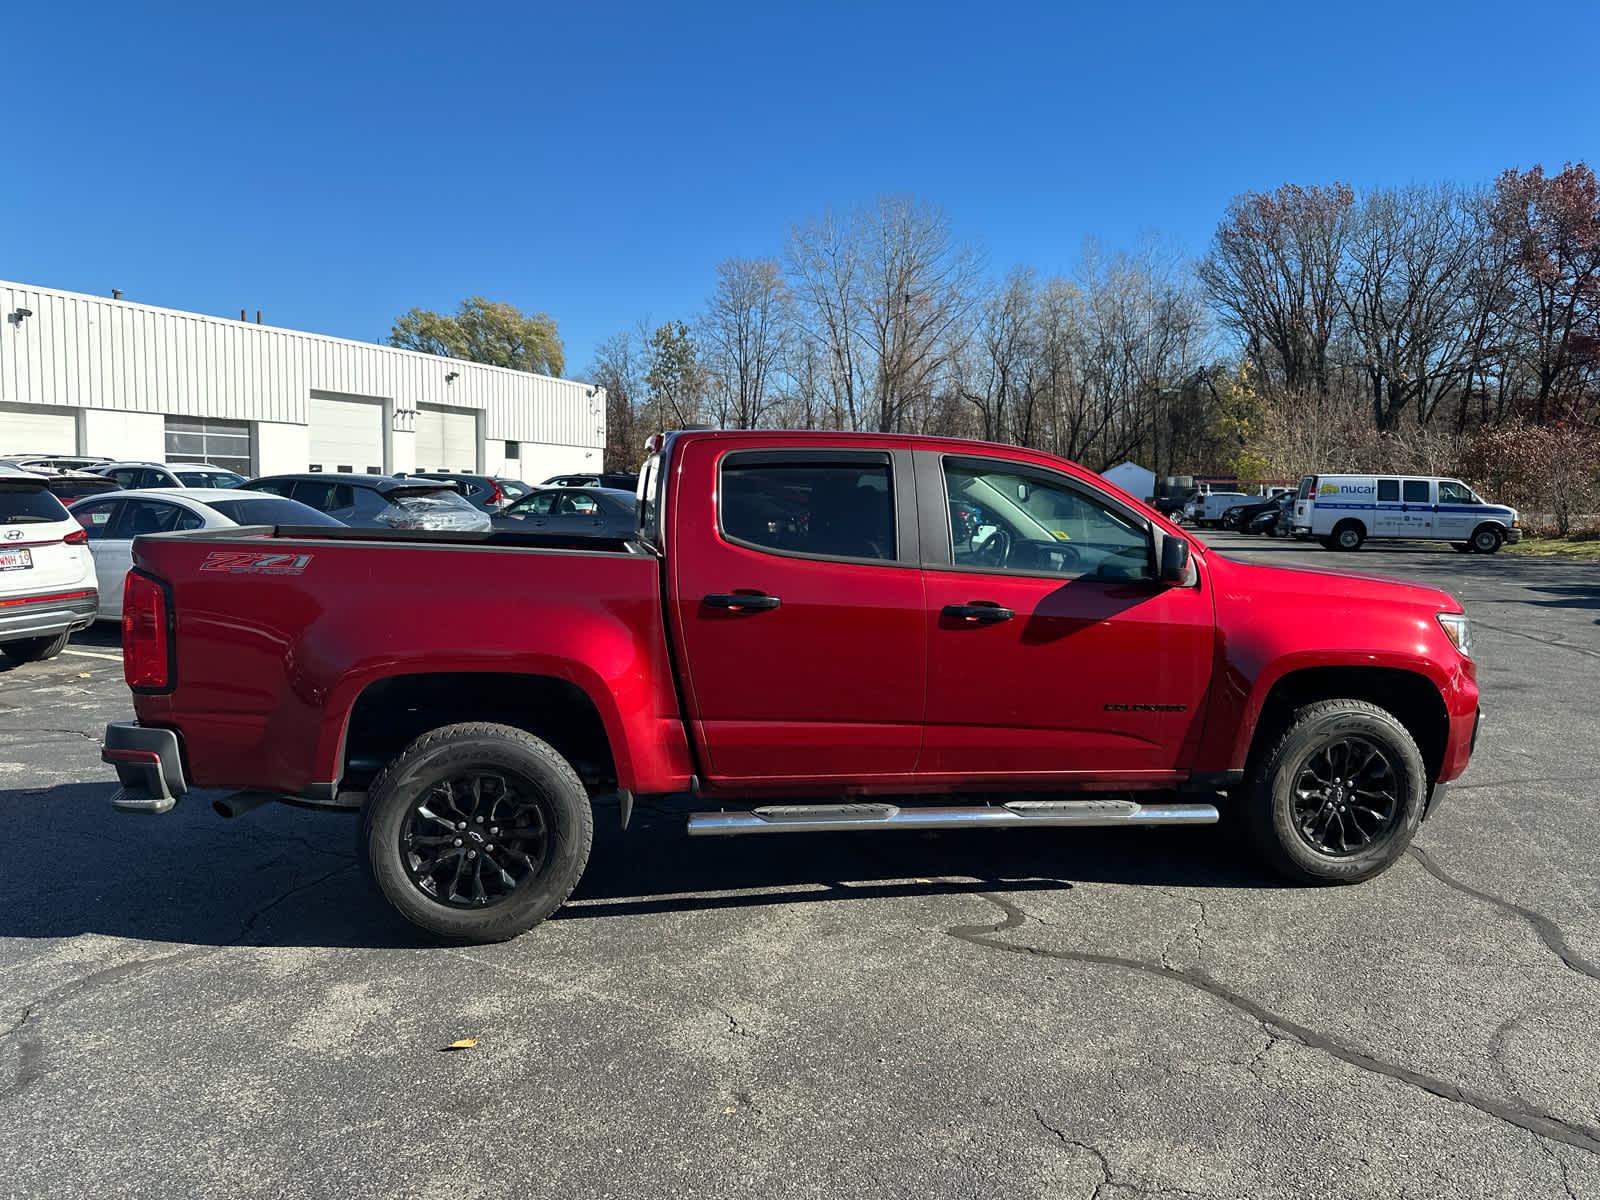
(887, 623)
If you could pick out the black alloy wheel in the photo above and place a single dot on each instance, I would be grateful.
(473, 839)
(1346, 797)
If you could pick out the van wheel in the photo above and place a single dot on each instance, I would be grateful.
(1486, 539)
(1348, 535)
(1338, 796)
(35, 649)
(476, 833)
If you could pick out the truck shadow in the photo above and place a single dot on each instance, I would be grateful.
(286, 877)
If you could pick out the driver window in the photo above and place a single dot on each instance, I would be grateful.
(1004, 520)
(1451, 492)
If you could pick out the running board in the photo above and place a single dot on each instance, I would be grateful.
(1019, 814)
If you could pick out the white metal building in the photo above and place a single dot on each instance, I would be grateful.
(91, 375)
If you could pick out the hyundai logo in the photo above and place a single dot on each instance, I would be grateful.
(13, 534)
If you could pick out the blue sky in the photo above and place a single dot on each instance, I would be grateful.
(334, 166)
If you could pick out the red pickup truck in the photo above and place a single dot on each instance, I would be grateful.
(810, 632)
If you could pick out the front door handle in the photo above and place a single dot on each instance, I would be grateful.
(979, 612)
(742, 601)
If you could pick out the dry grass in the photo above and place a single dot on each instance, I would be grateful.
(1542, 547)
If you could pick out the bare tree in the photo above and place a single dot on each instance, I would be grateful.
(1273, 276)
(1405, 291)
(824, 264)
(745, 331)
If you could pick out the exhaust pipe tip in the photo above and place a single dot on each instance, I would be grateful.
(238, 803)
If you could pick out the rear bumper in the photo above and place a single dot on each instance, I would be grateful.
(149, 763)
(47, 614)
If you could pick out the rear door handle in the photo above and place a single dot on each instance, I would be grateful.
(979, 612)
(742, 601)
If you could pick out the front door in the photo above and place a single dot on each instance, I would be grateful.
(1052, 650)
(798, 596)
(1458, 512)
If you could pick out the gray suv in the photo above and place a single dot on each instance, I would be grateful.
(378, 501)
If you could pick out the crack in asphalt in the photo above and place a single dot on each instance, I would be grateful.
(1549, 932)
(1517, 1114)
(1543, 641)
(736, 1027)
(30, 1068)
(1561, 1164)
(1108, 1178)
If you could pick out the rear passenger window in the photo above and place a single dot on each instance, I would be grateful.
(1417, 492)
(830, 510)
(324, 497)
(1388, 491)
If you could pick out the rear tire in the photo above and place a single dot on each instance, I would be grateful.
(1348, 535)
(1486, 539)
(478, 891)
(35, 649)
(1342, 833)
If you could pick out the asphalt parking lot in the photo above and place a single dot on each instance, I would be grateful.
(195, 1007)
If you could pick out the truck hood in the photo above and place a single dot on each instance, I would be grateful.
(1321, 588)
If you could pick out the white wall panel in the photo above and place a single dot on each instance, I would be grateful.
(82, 351)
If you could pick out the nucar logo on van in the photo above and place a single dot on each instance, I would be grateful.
(236, 562)
(1334, 489)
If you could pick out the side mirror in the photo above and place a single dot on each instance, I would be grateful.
(1174, 561)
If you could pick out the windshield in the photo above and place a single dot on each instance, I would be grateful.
(441, 509)
(209, 478)
(28, 504)
(271, 510)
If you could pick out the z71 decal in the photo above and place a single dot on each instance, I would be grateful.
(246, 562)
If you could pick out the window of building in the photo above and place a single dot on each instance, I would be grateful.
(513, 451)
(201, 439)
(831, 510)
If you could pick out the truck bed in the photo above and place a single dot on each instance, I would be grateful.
(264, 671)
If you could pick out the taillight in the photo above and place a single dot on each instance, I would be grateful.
(495, 494)
(146, 635)
(78, 537)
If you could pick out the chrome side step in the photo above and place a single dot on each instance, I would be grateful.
(1018, 814)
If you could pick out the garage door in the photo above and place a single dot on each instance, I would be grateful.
(26, 429)
(346, 435)
(447, 439)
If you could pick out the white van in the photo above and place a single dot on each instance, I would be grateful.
(1343, 511)
(1207, 508)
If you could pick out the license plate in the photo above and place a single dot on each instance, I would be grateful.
(15, 560)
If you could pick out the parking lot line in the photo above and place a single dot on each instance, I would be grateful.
(94, 654)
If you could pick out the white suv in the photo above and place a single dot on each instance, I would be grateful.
(47, 581)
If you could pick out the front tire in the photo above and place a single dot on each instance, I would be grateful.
(1486, 539)
(35, 649)
(1338, 795)
(476, 832)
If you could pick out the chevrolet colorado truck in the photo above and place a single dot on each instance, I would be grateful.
(809, 632)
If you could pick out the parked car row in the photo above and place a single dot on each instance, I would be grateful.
(68, 522)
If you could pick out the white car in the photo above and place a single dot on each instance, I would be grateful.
(111, 522)
(164, 475)
(47, 577)
(1207, 507)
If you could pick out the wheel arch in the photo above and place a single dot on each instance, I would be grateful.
(1410, 695)
(391, 711)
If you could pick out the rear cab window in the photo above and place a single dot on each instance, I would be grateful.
(812, 509)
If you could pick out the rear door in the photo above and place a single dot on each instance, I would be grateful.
(1416, 508)
(797, 599)
(114, 552)
(98, 518)
(1052, 650)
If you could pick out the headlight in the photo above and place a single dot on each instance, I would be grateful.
(1459, 632)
